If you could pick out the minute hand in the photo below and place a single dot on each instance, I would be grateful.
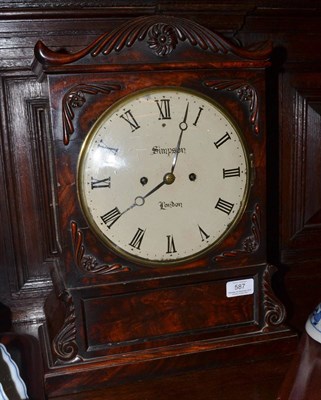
(182, 126)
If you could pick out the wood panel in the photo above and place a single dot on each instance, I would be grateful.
(31, 194)
(301, 166)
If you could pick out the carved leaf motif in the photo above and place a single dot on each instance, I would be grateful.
(175, 30)
(275, 312)
(76, 98)
(252, 243)
(88, 263)
(245, 92)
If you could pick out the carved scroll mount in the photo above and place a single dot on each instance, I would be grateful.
(64, 345)
(251, 243)
(88, 263)
(274, 310)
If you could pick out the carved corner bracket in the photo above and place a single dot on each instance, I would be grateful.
(88, 263)
(76, 98)
(245, 92)
(251, 243)
(275, 312)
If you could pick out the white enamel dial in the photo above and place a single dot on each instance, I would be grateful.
(163, 176)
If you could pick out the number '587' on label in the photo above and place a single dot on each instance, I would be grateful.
(242, 287)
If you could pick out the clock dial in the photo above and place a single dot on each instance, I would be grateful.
(163, 176)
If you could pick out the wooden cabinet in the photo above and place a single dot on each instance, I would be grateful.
(30, 233)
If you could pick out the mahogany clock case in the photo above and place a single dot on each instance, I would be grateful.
(121, 318)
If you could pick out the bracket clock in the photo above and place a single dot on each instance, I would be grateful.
(160, 155)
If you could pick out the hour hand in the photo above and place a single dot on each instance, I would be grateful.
(168, 179)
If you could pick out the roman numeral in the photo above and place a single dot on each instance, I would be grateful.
(224, 206)
(111, 217)
(137, 239)
(229, 173)
(100, 183)
(104, 146)
(222, 140)
(164, 109)
(170, 245)
(129, 118)
(198, 115)
(204, 235)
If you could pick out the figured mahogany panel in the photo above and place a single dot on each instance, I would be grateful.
(129, 319)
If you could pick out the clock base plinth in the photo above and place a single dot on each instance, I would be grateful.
(78, 377)
(98, 337)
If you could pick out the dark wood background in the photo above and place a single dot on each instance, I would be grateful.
(29, 232)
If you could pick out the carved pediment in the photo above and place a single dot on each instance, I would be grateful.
(152, 40)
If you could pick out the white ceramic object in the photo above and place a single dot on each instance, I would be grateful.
(313, 324)
(15, 376)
